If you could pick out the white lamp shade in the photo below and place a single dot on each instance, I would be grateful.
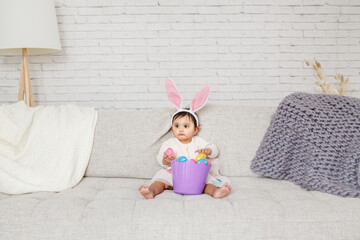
(28, 24)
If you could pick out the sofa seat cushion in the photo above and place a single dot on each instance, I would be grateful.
(112, 208)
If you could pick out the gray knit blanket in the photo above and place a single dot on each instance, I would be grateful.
(314, 141)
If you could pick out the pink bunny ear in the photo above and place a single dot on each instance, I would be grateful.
(200, 99)
(173, 94)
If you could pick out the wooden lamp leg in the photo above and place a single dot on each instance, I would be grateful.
(22, 82)
(25, 84)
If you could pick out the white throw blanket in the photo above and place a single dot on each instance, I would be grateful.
(45, 148)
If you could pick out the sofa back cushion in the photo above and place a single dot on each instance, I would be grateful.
(127, 141)
(237, 131)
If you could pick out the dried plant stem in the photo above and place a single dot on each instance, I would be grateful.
(323, 82)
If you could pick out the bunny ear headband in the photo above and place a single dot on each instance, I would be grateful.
(196, 104)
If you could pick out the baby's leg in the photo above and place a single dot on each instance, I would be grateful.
(216, 192)
(154, 189)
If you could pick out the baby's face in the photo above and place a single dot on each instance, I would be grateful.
(184, 129)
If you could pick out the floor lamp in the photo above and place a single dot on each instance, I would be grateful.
(28, 27)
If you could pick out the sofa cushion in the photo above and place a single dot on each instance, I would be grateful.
(237, 131)
(112, 208)
(127, 142)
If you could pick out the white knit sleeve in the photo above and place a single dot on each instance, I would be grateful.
(212, 146)
(160, 155)
(214, 149)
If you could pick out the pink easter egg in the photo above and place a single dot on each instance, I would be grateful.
(169, 152)
(193, 160)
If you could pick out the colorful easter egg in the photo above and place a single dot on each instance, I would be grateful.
(169, 152)
(202, 160)
(200, 156)
(182, 159)
(217, 183)
(193, 160)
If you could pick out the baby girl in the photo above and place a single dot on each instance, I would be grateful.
(185, 125)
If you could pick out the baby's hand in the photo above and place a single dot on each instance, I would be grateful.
(167, 159)
(207, 151)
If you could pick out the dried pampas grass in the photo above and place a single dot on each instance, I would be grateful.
(323, 82)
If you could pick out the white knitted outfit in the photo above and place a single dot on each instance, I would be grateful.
(188, 150)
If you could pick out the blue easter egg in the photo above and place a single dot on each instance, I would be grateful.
(182, 159)
(217, 183)
(202, 160)
(218, 180)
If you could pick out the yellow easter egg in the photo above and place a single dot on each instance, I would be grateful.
(200, 156)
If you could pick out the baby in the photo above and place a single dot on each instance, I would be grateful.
(185, 125)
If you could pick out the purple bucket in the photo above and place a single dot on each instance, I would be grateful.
(189, 177)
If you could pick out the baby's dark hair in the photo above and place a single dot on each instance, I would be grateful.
(184, 114)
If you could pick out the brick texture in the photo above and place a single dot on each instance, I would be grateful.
(116, 54)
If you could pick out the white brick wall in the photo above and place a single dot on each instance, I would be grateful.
(117, 53)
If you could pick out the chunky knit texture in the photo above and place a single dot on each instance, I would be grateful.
(314, 141)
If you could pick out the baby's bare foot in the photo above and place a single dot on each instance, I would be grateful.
(222, 191)
(145, 191)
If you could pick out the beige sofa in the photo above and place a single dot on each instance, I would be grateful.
(106, 204)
